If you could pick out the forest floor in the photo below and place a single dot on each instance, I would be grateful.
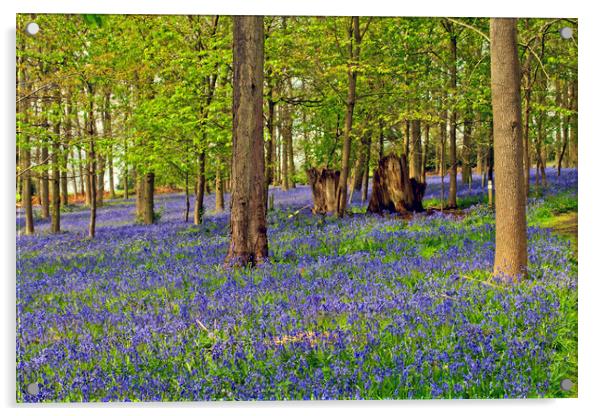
(363, 307)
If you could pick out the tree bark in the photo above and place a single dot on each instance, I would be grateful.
(24, 150)
(219, 190)
(511, 223)
(199, 203)
(248, 225)
(55, 222)
(354, 55)
(366, 169)
(466, 151)
(91, 161)
(453, 172)
(324, 184)
(392, 188)
(415, 156)
(44, 188)
(148, 198)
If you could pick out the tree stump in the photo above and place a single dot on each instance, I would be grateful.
(392, 188)
(324, 183)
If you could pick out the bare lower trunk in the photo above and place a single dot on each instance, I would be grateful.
(219, 191)
(354, 52)
(510, 224)
(148, 199)
(44, 188)
(415, 157)
(199, 203)
(248, 225)
(466, 151)
(91, 162)
(187, 190)
(55, 223)
(453, 174)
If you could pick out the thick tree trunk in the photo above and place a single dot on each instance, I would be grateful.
(392, 188)
(511, 223)
(248, 225)
(354, 55)
(199, 203)
(148, 199)
(324, 184)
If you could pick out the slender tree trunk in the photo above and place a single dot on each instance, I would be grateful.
(219, 191)
(286, 120)
(271, 126)
(443, 165)
(55, 223)
(466, 152)
(511, 223)
(92, 162)
(425, 151)
(187, 190)
(126, 186)
(73, 172)
(366, 175)
(44, 188)
(139, 195)
(354, 55)
(453, 174)
(381, 140)
(148, 198)
(573, 124)
(111, 174)
(200, 191)
(415, 157)
(248, 225)
(24, 149)
(526, 144)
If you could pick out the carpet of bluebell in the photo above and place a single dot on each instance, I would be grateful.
(365, 307)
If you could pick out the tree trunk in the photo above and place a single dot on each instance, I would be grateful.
(511, 223)
(199, 203)
(24, 150)
(187, 190)
(44, 188)
(453, 173)
(148, 199)
(415, 156)
(139, 195)
(442, 165)
(248, 225)
(286, 122)
(324, 184)
(526, 144)
(91, 162)
(55, 223)
(219, 191)
(354, 55)
(392, 188)
(366, 174)
(466, 151)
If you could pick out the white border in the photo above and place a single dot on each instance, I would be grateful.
(589, 164)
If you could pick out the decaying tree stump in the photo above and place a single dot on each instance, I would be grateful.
(393, 189)
(324, 183)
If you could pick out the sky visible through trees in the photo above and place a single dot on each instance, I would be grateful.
(346, 160)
